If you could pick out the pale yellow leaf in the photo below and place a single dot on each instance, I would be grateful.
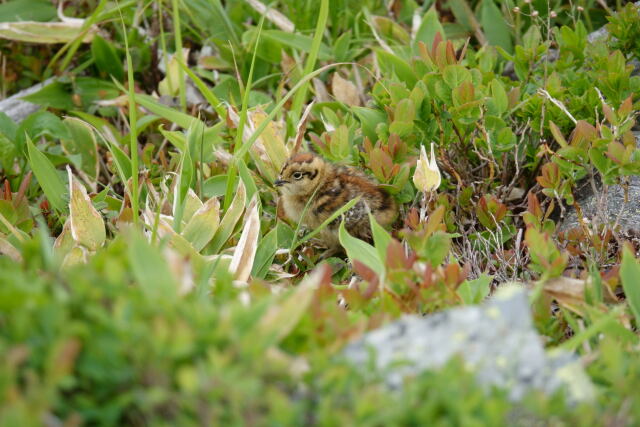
(64, 242)
(203, 224)
(45, 32)
(87, 226)
(77, 255)
(191, 205)
(170, 85)
(272, 139)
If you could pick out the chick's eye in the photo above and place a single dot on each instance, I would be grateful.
(297, 175)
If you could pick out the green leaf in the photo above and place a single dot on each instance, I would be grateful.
(454, 75)
(36, 125)
(428, 29)
(265, 254)
(630, 277)
(282, 317)
(474, 291)
(8, 153)
(150, 269)
(48, 178)
(106, 58)
(230, 219)
(27, 10)
(360, 250)
(296, 41)
(61, 95)
(437, 248)
(181, 119)
(214, 186)
(381, 238)
(494, 26)
(499, 97)
(369, 119)
(8, 126)
(82, 143)
(391, 64)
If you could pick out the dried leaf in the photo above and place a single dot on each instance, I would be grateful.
(344, 91)
(245, 252)
(273, 15)
(9, 250)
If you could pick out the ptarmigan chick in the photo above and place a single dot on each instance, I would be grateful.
(307, 178)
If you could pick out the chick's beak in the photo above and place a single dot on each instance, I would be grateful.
(279, 182)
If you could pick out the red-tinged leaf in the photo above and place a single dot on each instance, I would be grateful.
(616, 152)
(514, 97)
(412, 220)
(365, 272)
(396, 259)
(557, 134)
(584, 132)
(434, 221)
(453, 275)
(437, 40)
(609, 114)
(533, 205)
(626, 107)
(451, 53)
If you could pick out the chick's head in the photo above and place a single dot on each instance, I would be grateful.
(300, 174)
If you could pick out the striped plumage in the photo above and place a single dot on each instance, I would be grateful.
(306, 176)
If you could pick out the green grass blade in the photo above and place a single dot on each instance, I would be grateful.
(322, 226)
(177, 31)
(231, 175)
(321, 25)
(211, 98)
(47, 176)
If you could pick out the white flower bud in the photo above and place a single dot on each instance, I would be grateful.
(427, 176)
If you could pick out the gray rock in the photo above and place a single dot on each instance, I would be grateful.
(608, 205)
(16, 108)
(497, 341)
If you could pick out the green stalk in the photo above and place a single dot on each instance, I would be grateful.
(233, 169)
(163, 45)
(133, 126)
(178, 34)
(321, 25)
(71, 47)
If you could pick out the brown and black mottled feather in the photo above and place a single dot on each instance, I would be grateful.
(306, 177)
